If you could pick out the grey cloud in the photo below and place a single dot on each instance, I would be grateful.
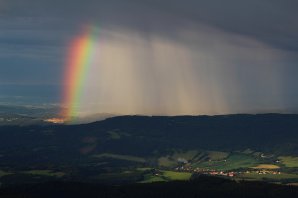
(271, 21)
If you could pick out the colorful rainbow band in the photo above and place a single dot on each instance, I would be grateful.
(79, 60)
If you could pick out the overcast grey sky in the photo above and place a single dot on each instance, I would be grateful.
(236, 55)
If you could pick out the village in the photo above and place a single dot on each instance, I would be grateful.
(214, 172)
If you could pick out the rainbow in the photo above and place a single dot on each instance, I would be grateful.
(79, 60)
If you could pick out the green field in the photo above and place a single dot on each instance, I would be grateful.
(149, 178)
(256, 176)
(172, 175)
(217, 155)
(289, 161)
(266, 166)
(121, 157)
(166, 176)
(234, 161)
(149, 175)
(192, 156)
(152, 179)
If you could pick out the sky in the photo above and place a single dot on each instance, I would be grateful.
(153, 57)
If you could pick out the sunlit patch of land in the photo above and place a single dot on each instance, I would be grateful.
(234, 161)
(153, 178)
(289, 161)
(266, 166)
(55, 120)
(211, 160)
(172, 175)
(268, 176)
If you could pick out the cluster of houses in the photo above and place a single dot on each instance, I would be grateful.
(264, 172)
(205, 171)
(221, 173)
(186, 168)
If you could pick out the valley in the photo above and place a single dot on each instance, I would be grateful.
(141, 149)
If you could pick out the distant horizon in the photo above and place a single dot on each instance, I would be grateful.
(41, 112)
(46, 99)
(150, 57)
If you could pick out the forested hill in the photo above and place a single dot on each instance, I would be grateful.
(268, 132)
(143, 135)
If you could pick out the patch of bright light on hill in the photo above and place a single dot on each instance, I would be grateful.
(55, 120)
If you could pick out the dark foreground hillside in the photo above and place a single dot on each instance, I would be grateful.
(125, 149)
(202, 186)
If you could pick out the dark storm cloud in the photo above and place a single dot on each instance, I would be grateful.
(43, 23)
(271, 21)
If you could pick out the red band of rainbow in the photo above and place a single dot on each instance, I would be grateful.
(78, 62)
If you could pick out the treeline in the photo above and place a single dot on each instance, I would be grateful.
(200, 187)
